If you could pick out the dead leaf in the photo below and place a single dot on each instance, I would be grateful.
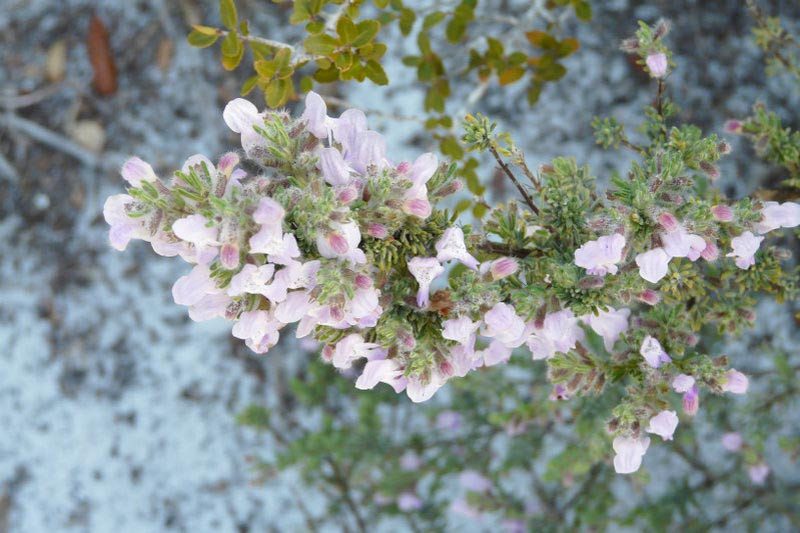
(101, 57)
(56, 63)
(164, 54)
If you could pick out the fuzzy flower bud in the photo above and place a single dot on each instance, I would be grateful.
(668, 221)
(649, 296)
(378, 231)
(503, 267)
(691, 400)
(135, 171)
(722, 213)
(733, 126)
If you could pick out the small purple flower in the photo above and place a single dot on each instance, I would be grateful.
(680, 243)
(242, 116)
(653, 353)
(194, 229)
(451, 247)
(653, 265)
(334, 168)
(559, 332)
(600, 257)
(732, 441)
(380, 371)
(350, 349)
(424, 270)
(691, 400)
(408, 501)
(473, 481)
(758, 473)
(316, 117)
(657, 64)
(191, 288)
(663, 424)
(342, 242)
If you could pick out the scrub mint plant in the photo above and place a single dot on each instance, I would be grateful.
(312, 224)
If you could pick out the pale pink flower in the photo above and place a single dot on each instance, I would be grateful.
(609, 324)
(211, 305)
(451, 247)
(229, 256)
(668, 221)
(380, 371)
(629, 453)
(494, 354)
(732, 441)
(657, 64)
(559, 332)
(269, 212)
(191, 288)
(415, 202)
(334, 168)
(423, 169)
(293, 308)
(251, 279)
(745, 247)
(680, 243)
(758, 473)
(258, 329)
(682, 383)
(775, 215)
(504, 325)
(123, 227)
(196, 229)
(710, 252)
(653, 264)
(653, 353)
(663, 424)
(600, 257)
(735, 382)
(342, 242)
(316, 117)
(424, 270)
(419, 389)
(351, 348)
(242, 117)
(135, 171)
(460, 329)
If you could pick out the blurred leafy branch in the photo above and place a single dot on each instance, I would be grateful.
(455, 47)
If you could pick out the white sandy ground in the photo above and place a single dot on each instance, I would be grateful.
(116, 412)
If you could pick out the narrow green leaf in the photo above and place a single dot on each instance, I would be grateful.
(249, 84)
(347, 30)
(432, 20)
(227, 11)
(375, 72)
(366, 32)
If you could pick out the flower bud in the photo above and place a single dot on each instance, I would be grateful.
(722, 213)
(711, 170)
(630, 45)
(229, 256)
(649, 296)
(724, 148)
(451, 188)
(591, 282)
(668, 221)
(446, 368)
(733, 126)
(403, 167)
(710, 252)
(661, 30)
(347, 195)
(503, 267)
(363, 281)
(377, 231)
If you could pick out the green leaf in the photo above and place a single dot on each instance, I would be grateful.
(261, 50)
(411, 61)
(306, 83)
(432, 20)
(375, 72)
(227, 11)
(232, 51)
(367, 30)
(299, 14)
(327, 75)
(315, 26)
(450, 147)
(249, 84)
(510, 75)
(320, 45)
(347, 30)
(254, 416)
(277, 92)
(455, 30)
(199, 39)
(381, 3)
(463, 205)
(406, 22)
(568, 46)
(265, 69)
(583, 10)
(554, 72)
(541, 39)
